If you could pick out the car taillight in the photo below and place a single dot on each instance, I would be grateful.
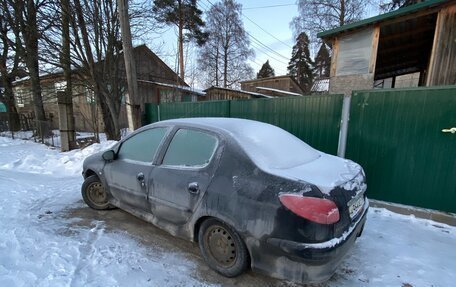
(318, 210)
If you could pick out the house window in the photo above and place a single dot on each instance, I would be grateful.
(354, 53)
(90, 97)
(168, 96)
(60, 86)
(20, 97)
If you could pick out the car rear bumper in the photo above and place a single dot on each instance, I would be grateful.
(309, 263)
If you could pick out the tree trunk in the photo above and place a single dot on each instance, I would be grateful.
(342, 13)
(67, 129)
(181, 42)
(30, 32)
(130, 68)
(108, 110)
(111, 129)
(225, 67)
(8, 95)
(217, 55)
(8, 100)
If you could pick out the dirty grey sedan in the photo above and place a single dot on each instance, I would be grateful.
(251, 194)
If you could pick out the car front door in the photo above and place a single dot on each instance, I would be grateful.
(127, 176)
(181, 180)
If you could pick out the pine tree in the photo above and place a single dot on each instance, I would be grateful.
(186, 16)
(300, 65)
(322, 62)
(266, 71)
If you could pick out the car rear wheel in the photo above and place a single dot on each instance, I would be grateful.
(94, 194)
(222, 248)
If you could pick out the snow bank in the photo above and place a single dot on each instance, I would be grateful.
(43, 160)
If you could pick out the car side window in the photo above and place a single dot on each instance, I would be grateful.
(190, 148)
(143, 146)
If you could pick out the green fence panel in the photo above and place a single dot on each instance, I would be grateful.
(314, 119)
(194, 109)
(396, 135)
(151, 113)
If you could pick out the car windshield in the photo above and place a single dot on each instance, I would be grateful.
(272, 147)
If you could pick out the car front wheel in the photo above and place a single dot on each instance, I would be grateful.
(222, 248)
(94, 194)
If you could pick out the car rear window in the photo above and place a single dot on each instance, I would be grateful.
(272, 147)
(190, 148)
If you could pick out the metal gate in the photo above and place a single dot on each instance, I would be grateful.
(406, 141)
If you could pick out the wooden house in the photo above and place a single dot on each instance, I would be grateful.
(156, 83)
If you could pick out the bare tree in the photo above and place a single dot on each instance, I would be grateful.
(319, 15)
(224, 56)
(25, 24)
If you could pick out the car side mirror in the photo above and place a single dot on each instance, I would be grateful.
(108, 155)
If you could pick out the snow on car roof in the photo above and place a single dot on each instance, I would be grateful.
(267, 145)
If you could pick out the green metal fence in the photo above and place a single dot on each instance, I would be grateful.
(396, 135)
(314, 119)
(194, 109)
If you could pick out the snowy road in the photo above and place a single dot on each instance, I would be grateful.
(48, 237)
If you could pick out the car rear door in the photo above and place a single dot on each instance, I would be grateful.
(128, 175)
(181, 180)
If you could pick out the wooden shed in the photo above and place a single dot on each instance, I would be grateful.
(219, 93)
(411, 46)
(280, 83)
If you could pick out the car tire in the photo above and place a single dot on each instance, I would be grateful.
(94, 193)
(222, 248)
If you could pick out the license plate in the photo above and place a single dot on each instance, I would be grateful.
(355, 207)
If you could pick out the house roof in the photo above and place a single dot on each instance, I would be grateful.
(279, 91)
(177, 87)
(288, 77)
(268, 79)
(258, 95)
(58, 72)
(383, 17)
(321, 85)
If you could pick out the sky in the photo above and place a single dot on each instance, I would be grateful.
(268, 25)
(267, 22)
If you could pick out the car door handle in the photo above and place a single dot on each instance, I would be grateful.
(450, 130)
(140, 176)
(193, 187)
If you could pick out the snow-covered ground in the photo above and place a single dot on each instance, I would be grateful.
(48, 237)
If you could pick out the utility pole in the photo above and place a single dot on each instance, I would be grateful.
(65, 98)
(131, 97)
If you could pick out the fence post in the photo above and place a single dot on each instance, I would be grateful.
(66, 123)
(344, 126)
(229, 108)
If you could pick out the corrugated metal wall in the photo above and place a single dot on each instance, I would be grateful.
(396, 135)
(194, 109)
(314, 119)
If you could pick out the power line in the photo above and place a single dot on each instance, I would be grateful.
(257, 44)
(270, 6)
(266, 31)
(258, 41)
